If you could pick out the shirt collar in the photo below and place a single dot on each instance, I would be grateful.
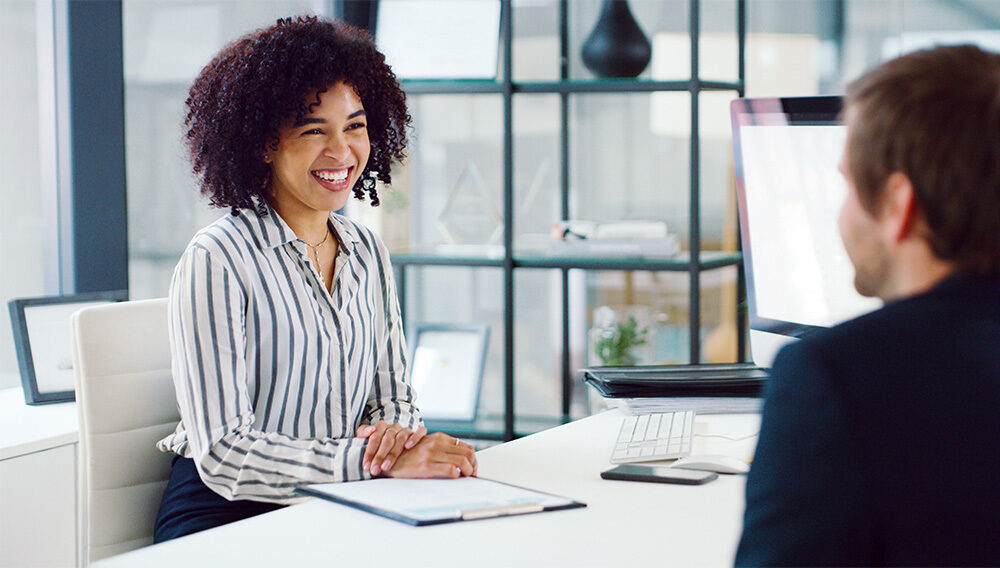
(274, 232)
(271, 228)
(345, 232)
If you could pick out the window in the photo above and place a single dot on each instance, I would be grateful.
(166, 43)
(23, 234)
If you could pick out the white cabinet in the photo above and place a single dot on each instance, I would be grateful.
(37, 483)
(38, 509)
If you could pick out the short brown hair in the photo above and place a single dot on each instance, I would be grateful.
(934, 115)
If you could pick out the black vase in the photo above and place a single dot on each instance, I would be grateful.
(616, 47)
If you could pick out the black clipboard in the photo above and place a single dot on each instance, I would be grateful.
(353, 495)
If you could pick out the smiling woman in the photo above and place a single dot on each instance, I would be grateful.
(285, 330)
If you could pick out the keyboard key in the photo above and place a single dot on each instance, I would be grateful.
(626, 432)
(653, 428)
(640, 427)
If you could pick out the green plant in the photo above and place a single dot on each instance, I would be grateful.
(614, 345)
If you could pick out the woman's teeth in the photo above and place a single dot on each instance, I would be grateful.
(333, 176)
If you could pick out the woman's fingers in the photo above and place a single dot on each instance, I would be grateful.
(416, 437)
(434, 455)
(462, 462)
(374, 441)
(400, 436)
(443, 470)
(461, 448)
(457, 453)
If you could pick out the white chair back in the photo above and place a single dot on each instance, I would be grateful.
(126, 403)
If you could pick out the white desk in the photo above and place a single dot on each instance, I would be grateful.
(37, 482)
(625, 523)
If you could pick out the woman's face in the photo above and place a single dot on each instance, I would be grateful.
(320, 158)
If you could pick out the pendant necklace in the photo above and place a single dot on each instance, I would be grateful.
(315, 251)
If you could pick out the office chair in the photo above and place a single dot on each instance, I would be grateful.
(126, 403)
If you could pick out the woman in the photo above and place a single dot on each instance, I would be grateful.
(287, 344)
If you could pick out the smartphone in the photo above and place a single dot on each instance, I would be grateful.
(659, 474)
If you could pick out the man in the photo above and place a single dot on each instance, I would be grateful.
(880, 437)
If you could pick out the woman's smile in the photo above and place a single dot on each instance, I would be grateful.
(333, 179)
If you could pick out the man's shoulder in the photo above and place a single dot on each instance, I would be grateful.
(950, 304)
(903, 332)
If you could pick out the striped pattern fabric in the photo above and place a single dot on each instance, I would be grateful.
(273, 373)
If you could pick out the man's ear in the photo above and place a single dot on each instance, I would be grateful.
(899, 208)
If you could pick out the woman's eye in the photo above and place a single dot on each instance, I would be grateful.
(356, 125)
(313, 131)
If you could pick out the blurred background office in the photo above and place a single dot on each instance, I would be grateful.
(628, 159)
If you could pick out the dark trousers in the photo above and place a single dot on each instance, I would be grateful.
(189, 506)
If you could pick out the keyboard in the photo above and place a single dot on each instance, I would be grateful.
(658, 436)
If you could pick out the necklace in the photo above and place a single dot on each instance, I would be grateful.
(315, 250)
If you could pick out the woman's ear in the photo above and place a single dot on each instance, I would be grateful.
(269, 148)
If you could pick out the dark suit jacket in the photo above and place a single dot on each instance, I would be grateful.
(880, 439)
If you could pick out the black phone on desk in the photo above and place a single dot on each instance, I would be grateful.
(659, 474)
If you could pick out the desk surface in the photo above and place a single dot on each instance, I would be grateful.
(624, 522)
(26, 429)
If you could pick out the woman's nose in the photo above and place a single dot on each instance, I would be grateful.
(337, 147)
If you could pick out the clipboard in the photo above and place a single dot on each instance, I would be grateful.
(423, 502)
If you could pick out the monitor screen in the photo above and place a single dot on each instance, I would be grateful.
(790, 191)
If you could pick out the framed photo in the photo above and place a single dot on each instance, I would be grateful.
(446, 369)
(43, 343)
(440, 39)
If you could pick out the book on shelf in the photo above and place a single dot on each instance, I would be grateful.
(645, 239)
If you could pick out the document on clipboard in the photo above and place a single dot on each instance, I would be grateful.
(421, 502)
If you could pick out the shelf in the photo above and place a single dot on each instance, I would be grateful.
(680, 263)
(451, 255)
(457, 87)
(534, 253)
(623, 85)
(490, 426)
(452, 86)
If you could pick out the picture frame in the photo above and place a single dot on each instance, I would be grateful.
(440, 39)
(446, 369)
(42, 340)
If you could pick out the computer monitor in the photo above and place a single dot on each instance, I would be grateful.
(789, 194)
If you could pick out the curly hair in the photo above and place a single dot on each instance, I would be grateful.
(259, 81)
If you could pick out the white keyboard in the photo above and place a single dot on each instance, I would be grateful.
(659, 436)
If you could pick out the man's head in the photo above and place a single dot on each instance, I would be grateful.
(922, 163)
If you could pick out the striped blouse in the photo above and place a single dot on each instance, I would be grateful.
(273, 373)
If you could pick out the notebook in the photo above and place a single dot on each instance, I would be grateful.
(706, 380)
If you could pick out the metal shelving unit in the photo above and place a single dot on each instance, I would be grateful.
(694, 261)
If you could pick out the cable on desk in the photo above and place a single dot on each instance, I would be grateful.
(727, 437)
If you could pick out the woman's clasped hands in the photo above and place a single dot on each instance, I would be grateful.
(396, 451)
